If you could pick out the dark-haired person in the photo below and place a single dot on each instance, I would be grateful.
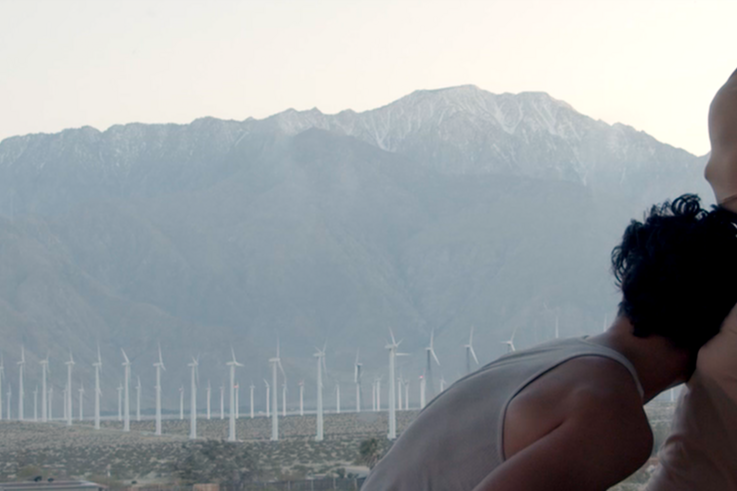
(567, 415)
(701, 451)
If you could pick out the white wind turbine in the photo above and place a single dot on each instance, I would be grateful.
(68, 398)
(138, 400)
(302, 398)
(392, 347)
(35, 404)
(428, 378)
(276, 362)
(470, 352)
(209, 393)
(44, 372)
(357, 380)
(181, 402)
(21, 391)
(320, 367)
(268, 399)
(126, 393)
(237, 400)
(193, 398)
(81, 401)
(423, 388)
(51, 399)
(232, 364)
(406, 394)
(253, 387)
(284, 398)
(337, 397)
(399, 393)
(159, 365)
(510, 342)
(98, 391)
(120, 403)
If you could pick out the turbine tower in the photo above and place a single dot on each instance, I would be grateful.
(232, 364)
(237, 400)
(68, 398)
(320, 355)
(10, 398)
(423, 388)
(302, 398)
(51, 399)
(442, 383)
(81, 401)
(470, 352)
(429, 380)
(21, 392)
(510, 342)
(193, 398)
(126, 393)
(35, 404)
(357, 380)
(392, 347)
(275, 363)
(209, 392)
(138, 400)
(284, 398)
(159, 365)
(44, 372)
(98, 392)
(337, 397)
(253, 387)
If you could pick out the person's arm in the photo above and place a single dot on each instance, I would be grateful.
(600, 445)
(721, 170)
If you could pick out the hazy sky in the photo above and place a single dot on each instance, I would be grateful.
(648, 63)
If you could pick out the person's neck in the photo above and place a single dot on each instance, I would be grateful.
(658, 363)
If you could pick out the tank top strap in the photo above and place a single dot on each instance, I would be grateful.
(597, 349)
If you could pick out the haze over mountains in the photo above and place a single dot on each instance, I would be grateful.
(445, 209)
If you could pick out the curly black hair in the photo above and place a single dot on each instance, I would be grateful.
(678, 271)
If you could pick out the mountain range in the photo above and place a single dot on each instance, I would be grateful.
(443, 210)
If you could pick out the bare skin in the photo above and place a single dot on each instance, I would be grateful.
(721, 170)
(581, 427)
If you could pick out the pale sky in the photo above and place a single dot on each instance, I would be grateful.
(652, 64)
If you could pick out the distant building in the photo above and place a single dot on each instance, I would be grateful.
(51, 486)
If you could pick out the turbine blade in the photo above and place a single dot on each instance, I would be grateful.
(473, 353)
(432, 352)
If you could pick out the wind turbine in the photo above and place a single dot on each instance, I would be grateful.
(392, 347)
(237, 400)
(423, 384)
(284, 399)
(98, 392)
(21, 392)
(302, 398)
(253, 387)
(357, 380)
(44, 371)
(470, 352)
(126, 394)
(51, 399)
(430, 352)
(276, 362)
(337, 397)
(442, 383)
(209, 392)
(510, 342)
(232, 364)
(35, 404)
(181, 402)
(193, 398)
(68, 399)
(138, 400)
(81, 401)
(159, 365)
(406, 394)
(120, 403)
(320, 355)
